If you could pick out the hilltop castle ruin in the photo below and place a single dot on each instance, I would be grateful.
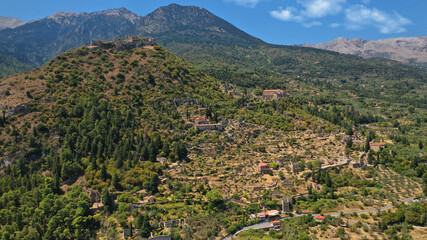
(121, 44)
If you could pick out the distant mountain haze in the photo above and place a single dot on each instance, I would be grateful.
(408, 50)
(10, 22)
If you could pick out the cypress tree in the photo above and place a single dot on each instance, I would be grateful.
(144, 226)
(116, 181)
(107, 201)
(104, 174)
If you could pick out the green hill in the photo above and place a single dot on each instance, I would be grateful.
(95, 113)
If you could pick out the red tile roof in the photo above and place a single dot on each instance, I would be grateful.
(277, 221)
(377, 144)
(320, 217)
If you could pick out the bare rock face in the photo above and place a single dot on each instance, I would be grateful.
(408, 50)
(9, 22)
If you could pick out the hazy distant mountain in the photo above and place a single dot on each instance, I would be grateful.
(409, 50)
(10, 22)
(39, 40)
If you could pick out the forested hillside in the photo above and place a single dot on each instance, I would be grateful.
(10, 65)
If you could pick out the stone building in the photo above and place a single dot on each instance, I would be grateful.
(274, 94)
(201, 120)
(121, 44)
(295, 168)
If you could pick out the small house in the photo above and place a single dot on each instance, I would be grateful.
(151, 199)
(319, 218)
(377, 146)
(264, 168)
(201, 120)
(276, 224)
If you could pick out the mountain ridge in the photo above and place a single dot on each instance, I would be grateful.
(408, 50)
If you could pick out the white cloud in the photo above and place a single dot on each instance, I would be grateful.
(312, 24)
(321, 8)
(309, 10)
(245, 3)
(359, 16)
(287, 14)
(334, 25)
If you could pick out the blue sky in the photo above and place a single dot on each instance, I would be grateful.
(274, 21)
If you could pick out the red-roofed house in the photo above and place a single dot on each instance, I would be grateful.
(264, 168)
(377, 146)
(320, 218)
(276, 224)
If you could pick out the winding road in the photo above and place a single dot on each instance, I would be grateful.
(265, 225)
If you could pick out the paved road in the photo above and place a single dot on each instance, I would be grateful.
(264, 225)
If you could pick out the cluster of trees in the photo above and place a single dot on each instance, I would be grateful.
(344, 117)
(414, 214)
(34, 211)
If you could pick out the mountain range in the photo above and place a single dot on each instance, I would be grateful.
(408, 50)
(207, 41)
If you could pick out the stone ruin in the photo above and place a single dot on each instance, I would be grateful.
(121, 44)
